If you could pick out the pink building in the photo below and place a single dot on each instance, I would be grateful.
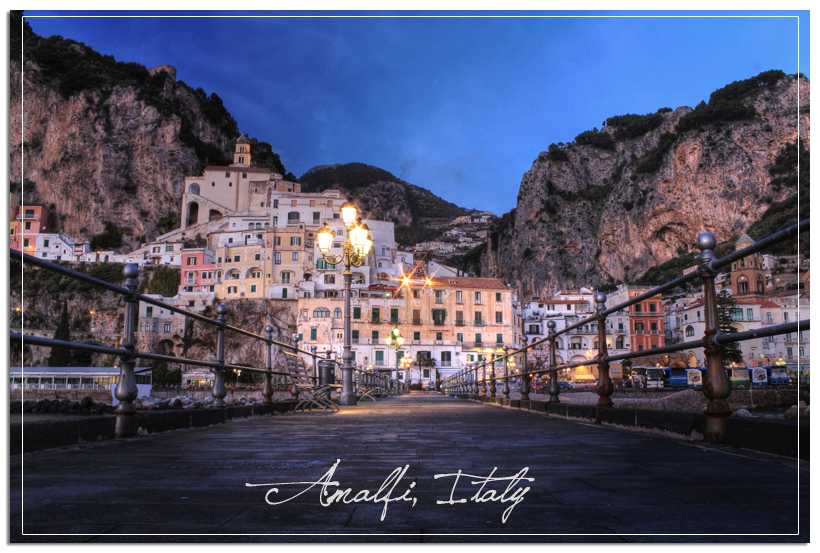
(26, 223)
(198, 272)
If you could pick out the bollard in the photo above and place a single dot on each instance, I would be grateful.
(267, 389)
(505, 390)
(555, 389)
(716, 385)
(525, 377)
(126, 391)
(219, 391)
(605, 387)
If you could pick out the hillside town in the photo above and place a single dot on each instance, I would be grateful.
(247, 233)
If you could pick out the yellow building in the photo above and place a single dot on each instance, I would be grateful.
(446, 324)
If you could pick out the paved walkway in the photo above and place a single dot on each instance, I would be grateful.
(590, 483)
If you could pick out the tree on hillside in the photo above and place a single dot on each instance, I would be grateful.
(726, 305)
(61, 357)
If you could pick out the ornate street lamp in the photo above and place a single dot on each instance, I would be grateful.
(357, 246)
(394, 341)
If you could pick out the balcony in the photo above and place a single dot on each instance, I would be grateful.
(478, 323)
(375, 321)
(460, 322)
(416, 322)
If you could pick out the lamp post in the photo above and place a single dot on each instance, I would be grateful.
(394, 341)
(356, 247)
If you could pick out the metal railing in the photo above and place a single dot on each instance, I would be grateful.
(473, 382)
(126, 390)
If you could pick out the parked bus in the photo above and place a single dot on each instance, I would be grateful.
(694, 377)
(676, 377)
(759, 376)
(654, 377)
(638, 377)
(777, 375)
(738, 377)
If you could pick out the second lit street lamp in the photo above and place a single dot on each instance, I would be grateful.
(394, 341)
(354, 253)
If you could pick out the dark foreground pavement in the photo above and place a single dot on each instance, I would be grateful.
(590, 483)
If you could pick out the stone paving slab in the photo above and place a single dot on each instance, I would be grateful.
(591, 483)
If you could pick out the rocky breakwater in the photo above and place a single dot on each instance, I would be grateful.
(85, 406)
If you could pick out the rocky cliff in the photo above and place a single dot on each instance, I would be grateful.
(97, 140)
(637, 192)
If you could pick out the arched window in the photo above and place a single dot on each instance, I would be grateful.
(742, 285)
(337, 313)
(690, 331)
(761, 286)
(194, 188)
(250, 225)
(321, 313)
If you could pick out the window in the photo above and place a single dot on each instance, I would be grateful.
(459, 298)
(354, 336)
(416, 294)
(293, 217)
(690, 331)
(25, 242)
(253, 288)
(277, 241)
(357, 312)
(478, 319)
(478, 338)
(619, 343)
(236, 259)
(374, 336)
(499, 338)
(45, 243)
(313, 334)
(316, 217)
(652, 308)
(499, 317)
(498, 296)
(749, 314)
(459, 337)
(166, 327)
(478, 298)
(337, 313)
(256, 257)
(286, 277)
(394, 315)
(638, 308)
(149, 311)
(321, 313)
(28, 225)
(439, 296)
(295, 240)
(169, 247)
(330, 279)
(277, 258)
(439, 336)
(379, 358)
(295, 256)
(438, 316)
(376, 314)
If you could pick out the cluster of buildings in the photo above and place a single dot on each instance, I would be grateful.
(247, 233)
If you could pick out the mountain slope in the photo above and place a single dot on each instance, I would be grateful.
(636, 193)
(418, 213)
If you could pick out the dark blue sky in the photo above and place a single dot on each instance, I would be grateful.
(461, 105)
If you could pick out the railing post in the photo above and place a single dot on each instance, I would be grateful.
(505, 391)
(492, 374)
(605, 387)
(484, 379)
(219, 391)
(525, 377)
(267, 389)
(716, 385)
(294, 390)
(476, 392)
(555, 389)
(126, 391)
(315, 370)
